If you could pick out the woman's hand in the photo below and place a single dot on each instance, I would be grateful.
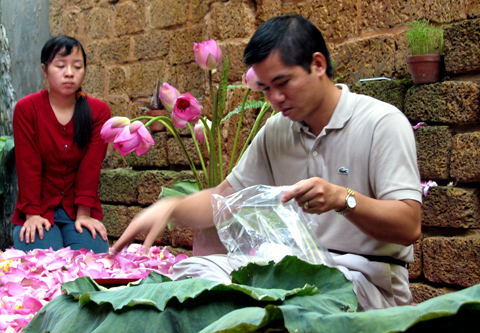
(32, 224)
(94, 225)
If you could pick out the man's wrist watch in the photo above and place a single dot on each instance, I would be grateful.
(350, 203)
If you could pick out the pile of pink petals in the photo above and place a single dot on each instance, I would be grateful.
(30, 280)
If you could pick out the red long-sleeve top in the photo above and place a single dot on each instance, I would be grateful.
(50, 168)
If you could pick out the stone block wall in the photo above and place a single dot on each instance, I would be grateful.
(131, 43)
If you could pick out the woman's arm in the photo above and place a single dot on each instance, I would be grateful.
(85, 220)
(28, 161)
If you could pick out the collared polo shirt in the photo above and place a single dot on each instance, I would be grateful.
(368, 145)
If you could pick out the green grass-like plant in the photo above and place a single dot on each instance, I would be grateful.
(424, 38)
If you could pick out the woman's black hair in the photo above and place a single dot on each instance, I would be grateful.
(82, 114)
(295, 38)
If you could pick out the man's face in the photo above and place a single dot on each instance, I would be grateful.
(289, 89)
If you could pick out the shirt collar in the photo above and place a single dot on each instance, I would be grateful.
(342, 113)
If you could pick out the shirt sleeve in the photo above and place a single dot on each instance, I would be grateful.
(28, 160)
(394, 173)
(88, 175)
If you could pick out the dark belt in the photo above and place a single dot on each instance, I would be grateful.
(384, 259)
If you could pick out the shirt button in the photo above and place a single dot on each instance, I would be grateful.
(63, 177)
(66, 146)
(64, 128)
(315, 153)
(62, 193)
(65, 163)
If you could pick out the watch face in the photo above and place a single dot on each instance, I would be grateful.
(351, 202)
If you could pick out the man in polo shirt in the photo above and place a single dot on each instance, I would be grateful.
(351, 159)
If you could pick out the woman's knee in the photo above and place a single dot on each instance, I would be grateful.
(77, 241)
(51, 239)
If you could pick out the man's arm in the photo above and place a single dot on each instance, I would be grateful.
(391, 221)
(194, 211)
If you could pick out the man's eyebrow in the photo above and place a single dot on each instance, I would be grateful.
(276, 78)
(279, 77)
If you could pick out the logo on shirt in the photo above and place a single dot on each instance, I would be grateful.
(343, 171)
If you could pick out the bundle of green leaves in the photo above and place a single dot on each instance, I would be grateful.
(7, 146)
(424, 38)
(290, 296)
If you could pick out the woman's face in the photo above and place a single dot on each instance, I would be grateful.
(65, 73)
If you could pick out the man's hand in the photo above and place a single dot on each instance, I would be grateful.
(389, 221)
(193, 211)
(316, 196)
(153, 220)
(32, 224)
(94, 225)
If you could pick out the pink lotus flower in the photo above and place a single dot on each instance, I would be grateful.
(418, 125)
(426, 186)
(30, 280)
(207, 54)
(249, 79)
(134, 137)
(168, 96)
(186, 110)
(199, 130)
(112, 127)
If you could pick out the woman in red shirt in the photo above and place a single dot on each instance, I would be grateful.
(58, 154)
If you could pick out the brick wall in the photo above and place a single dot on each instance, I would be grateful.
(132, 42)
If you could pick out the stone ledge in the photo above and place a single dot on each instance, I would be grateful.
(465, 159)
(150, 184)
(451, 207)
(176, 155)
(389, 91)
(117, 218)
(119, 186)
(462, 47)
(415, 269)
(168, 13)
(365, 58)
(230, 20)
(422, 292)
(182, 237)
(155, 158)
(449, 102)
(130, 18)
(434, 146)
(452, 260)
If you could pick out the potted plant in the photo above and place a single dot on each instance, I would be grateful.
(153, 107)
(425, 61)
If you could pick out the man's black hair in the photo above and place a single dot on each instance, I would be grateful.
(293, 36)
(82, 114)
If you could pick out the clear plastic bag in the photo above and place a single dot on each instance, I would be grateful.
(254, 225)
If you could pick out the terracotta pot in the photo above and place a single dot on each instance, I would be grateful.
(156, 126)
(425, 68)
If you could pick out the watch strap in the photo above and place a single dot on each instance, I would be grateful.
(347, 210)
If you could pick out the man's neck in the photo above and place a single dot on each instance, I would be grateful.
(325, 111)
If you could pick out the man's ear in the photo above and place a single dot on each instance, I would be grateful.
(319, 64)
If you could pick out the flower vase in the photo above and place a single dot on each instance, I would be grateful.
(425, 68)
(156, 126)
